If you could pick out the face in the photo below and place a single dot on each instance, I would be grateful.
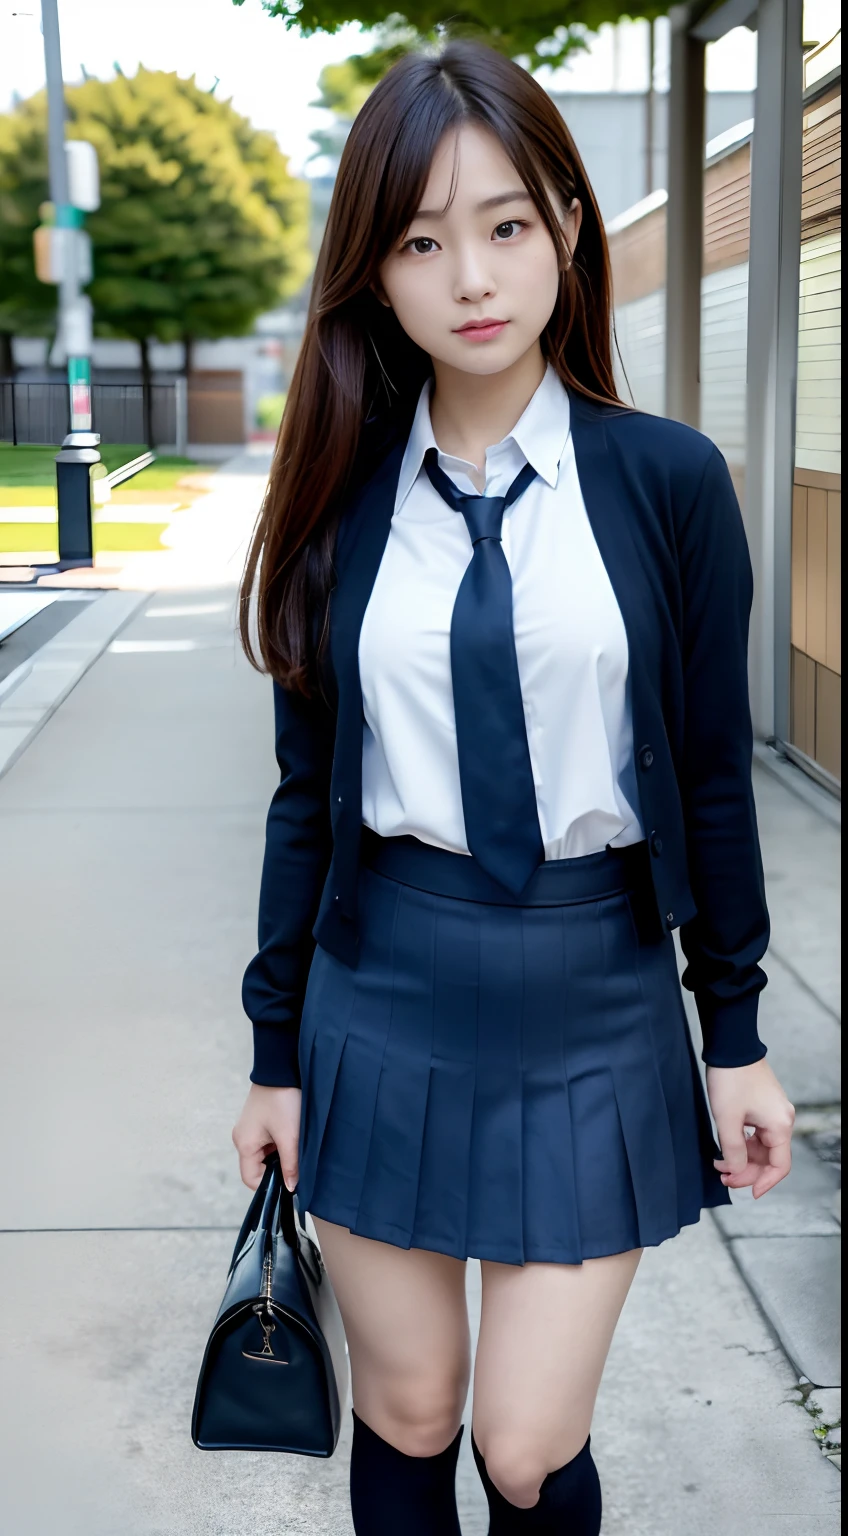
(475, 283)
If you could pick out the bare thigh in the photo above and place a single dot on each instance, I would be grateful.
(545, 1332)
(407, 1330)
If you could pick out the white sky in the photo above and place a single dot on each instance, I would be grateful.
(271, 74)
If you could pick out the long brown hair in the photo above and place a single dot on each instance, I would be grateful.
(356, 364)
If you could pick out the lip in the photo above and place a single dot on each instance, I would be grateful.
(481, 330)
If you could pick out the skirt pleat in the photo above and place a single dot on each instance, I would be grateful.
(495, 1167)
(443, 1189)
(319, 1053)
(339, 1177)
(510, 1083)
(549, 1160)
(390, 1189)
(637, 1080)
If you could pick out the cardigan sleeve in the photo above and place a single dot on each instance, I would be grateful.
(298, 846)
(728, 937)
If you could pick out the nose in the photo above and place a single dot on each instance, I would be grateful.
(473, 280)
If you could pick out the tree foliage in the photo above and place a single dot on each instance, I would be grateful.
(201, 226)
(536, 31)
(345, 86)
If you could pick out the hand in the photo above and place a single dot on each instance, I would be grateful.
(270, 1118)
(751, 1095)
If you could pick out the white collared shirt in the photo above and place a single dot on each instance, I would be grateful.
(569, 639)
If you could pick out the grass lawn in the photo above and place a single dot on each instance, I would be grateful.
(28, 475)
(28, 479)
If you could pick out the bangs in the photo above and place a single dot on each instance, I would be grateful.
(433, 113)
(438, 106)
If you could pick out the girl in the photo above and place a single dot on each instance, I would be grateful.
(506, 618)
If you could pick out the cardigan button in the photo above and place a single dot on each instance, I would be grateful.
(669, 917)
(656, 845)
(646, 758)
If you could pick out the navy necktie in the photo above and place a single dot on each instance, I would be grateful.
(495, 774)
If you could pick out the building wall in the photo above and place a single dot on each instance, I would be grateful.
(610, 130)
(637, 249)
(818, 437)
(816, 673)
(815, 713)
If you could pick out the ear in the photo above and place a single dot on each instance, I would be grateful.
(379, 293)
(571, 222)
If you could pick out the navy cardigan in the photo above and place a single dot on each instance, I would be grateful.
(667, 523)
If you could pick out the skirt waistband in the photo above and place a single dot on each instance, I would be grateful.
(556, 883)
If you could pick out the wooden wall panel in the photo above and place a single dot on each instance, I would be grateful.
(833, 645)
(818, 477)
(821, 196)
(829, 721)
(727, 210)
(815, 703)
(637, 254)
(817, 575)
(802, 707)
(799, 568)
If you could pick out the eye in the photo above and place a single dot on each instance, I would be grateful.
(422, 245)
(508, 229)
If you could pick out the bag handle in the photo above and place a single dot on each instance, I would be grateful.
(263, 1207)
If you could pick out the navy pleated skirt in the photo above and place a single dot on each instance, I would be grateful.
(504, 1081)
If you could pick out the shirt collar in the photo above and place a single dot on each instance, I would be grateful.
(542, 431)
(420, 439)
(541, 434)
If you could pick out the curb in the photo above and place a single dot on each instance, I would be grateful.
(31, 694)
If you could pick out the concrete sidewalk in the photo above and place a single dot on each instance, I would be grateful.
(132, 830)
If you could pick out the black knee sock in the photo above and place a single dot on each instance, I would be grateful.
(569, 1501)
(392, 1494)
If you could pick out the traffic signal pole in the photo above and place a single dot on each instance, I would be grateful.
(79, 449)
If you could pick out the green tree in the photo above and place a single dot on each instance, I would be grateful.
(536, 31)
(201, 226)
(345, 86)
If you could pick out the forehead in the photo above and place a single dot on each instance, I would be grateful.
(469, 162)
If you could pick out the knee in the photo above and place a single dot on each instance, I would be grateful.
(516, 1469)
(419, 1417)
(518, 1464)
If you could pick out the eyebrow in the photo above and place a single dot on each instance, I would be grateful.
(520, 195)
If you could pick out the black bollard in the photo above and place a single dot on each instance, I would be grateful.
(73, 494)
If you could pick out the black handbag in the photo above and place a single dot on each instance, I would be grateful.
(274, 1375)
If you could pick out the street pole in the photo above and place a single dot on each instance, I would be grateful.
(79, 447)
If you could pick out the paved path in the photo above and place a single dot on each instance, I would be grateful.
(132, 829)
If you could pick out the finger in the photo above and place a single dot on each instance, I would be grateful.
(740, 1180)
(288, 1163)
(734, 1148)
(779, 1164)
(251, 1166)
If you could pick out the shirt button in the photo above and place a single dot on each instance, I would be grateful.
(646, 758)
(336, 900)
(339, 801)
(656, 845)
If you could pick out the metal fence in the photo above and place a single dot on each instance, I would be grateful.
(39, 412)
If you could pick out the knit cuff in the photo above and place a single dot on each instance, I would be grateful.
(729, 1030)
(275, 1063)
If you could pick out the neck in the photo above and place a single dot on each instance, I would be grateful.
(470, 412)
